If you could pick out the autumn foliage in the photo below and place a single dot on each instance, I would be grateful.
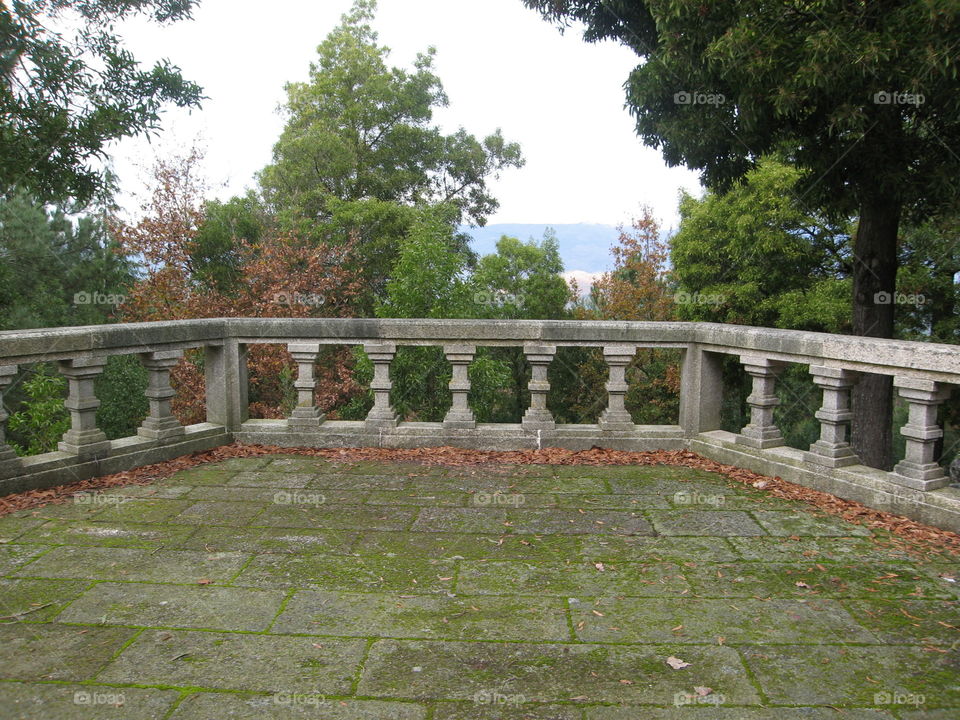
(280, 276)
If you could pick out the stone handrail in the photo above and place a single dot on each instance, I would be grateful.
(923, 374)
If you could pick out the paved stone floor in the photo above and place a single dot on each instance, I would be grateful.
(289, 587)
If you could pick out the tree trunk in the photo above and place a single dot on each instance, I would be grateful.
(874, 286)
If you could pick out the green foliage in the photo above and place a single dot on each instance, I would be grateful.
(755, 256)
(42, 419)
(360, 403)
(120, 389)
(360, 148)
(67, 92)
(215, 258)
(54, 270)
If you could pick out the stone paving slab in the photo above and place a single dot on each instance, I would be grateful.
(213, 608)
(136, 565)
(347, 573)
(694, 620)
(424, 616)
(289, 586)
(544, 673)
(49, 651)
(261, 663)
(142, 535)
(568, 579)
(204, 706)
(30, 701)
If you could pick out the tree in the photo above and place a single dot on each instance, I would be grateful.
(754, 255)
(862, 95)
(360, 149)
(65, 95)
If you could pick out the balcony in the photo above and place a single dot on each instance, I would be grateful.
(918, 487)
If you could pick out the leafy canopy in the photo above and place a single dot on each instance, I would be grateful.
(65, 93)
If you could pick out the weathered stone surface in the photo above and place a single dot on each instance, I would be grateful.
(212, 608)
(722, 523)
(544, 673)
(269, 540)
(34, 601)
(28, 701)
(143, 535)
(805, 523)
(261, 663)
(13, 557)
(279, 706)
(57, 652)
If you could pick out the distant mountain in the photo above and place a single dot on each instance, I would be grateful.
(583, 246)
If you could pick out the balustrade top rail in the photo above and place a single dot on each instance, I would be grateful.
(931, 361)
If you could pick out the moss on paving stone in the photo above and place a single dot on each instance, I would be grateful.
(269, 540)
(215, 608)
(279, 706)
(549, 673)
(36, 600)
(692, 620)
(30, 701)
(261, 663)
(136, 565)
(57, 652)
(425, 616)
(407, 591)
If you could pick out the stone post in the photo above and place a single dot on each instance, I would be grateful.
(918, 469)
(538, 417)
(225, 368)
(160, 424)
(382, 414)
(701, 391)
(306, 415)
(9, 462)
(83, 439)
(761, 432)
(616, 417)
(460, 415)
(832, 449)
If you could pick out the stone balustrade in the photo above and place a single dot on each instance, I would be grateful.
(923, 375)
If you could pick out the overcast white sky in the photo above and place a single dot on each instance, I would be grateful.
(501, 64)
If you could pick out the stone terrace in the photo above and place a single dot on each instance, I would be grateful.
(286, 586)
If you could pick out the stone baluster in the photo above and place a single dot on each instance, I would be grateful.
(382, 414)
(160, 424)
(84, 439)
(919, 468)
(761, 432)
(616, 417)
(460, 415)
(306, 415)
(538, 417)
(832, 449)
(9, 462)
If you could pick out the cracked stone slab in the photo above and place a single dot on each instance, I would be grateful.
(29, 701)
(692, 620)
(907, 620)
(417, 498)
(136, 565)
(577, 501)
(358, 483)
(208, 607)
(280, 706)
(424, 616)
(57, 652)
(490, 706)
(717, 523)
(461, 520)
(582, 578)
(260, 479)
(419, 670)
(142, 510)
(838, 674)
(255, 663)
(444, 545)
(65, 532)
(334, 517)
(12, 527)
(269, 540)
(336, 572)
